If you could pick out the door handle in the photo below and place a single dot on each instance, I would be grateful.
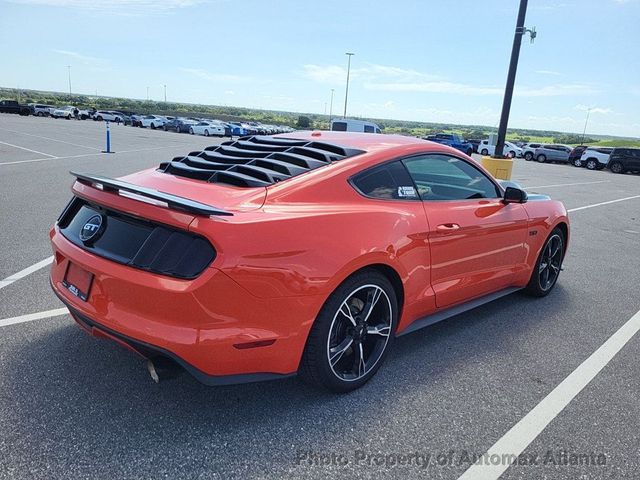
(447, 227)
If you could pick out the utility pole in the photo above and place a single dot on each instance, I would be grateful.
(585, 125)
(147, 94)
(346, 91)
(511, 76)
(69, 71)
(331, 107)
(165, 93)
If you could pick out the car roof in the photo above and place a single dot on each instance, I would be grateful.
(363, 141)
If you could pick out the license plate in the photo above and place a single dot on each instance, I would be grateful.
(78, 281)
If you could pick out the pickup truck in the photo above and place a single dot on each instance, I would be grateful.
(453, 140)
(11, 106)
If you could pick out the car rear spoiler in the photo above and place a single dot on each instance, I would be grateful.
(173, 201)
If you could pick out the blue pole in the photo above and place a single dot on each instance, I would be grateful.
(108, 139)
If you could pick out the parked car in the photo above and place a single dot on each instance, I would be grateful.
(351, 125)
(179, 125)
(529, 150)
(475, 142)
(624, 160)
(237, 129)
(40, 110)
(12, 106)
(213, 262)
(135, 120)
(153, 121)
(453, 140)
(552, 153)
(575, 154)
(509, 149)
(207, 129)
(594, 158)
(108, 116)
(64, 112)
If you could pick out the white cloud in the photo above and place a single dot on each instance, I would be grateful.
(478, 90)
(215, 77)
(85, 59)
(592, 109)
(336, 74)
(556, 90)
(117, 7)
(549, 72)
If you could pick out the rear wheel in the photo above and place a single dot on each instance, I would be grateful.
(469, 152)
(547, 269)
(351, 334)
(541, 158)
(206, 133)
(99, 118)
(616, 167)
(153, 126)
(528, 156)
(512, 153)
(591, 164)
(484, 152)
(577, 162)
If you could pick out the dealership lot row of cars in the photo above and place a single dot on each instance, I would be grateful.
(193, 125)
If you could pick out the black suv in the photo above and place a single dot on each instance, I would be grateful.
(624, 160)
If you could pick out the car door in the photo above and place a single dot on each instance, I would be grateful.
(477, 242)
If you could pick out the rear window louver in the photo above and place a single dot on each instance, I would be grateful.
(256, 161)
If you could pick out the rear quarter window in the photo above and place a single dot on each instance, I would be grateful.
(387, 182)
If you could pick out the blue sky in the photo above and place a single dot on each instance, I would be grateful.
(415, 60)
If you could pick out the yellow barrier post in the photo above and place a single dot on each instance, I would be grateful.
(500, 168)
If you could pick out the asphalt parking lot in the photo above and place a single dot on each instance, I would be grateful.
(75, 407)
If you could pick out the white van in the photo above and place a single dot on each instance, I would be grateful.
(349, 125)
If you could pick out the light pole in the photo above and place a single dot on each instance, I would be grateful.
(346, 91)
(511, 76)
(165, 94)
(331, 107)
(147, 94)
(585, 125)
(69, 71)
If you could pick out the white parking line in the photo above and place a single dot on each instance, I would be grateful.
(29, 150)
(33, 316)
(569, 184)
(49, 138)
(531, 425)
(602, 203)
(23, 273)
(90, 154)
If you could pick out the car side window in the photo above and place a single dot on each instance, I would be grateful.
(339, 127)
(390, 181)
(444, 177)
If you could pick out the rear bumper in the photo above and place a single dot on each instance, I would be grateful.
(203, 324)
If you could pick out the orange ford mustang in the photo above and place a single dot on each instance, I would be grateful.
(304, 253)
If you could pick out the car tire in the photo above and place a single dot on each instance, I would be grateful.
(206, 132)
(528, 156)
(191, 131)
(591, 164)
(99, 119)
(512, 153)
(548, 265)
(153, 126)
(541, 158)
(616, 167)
(469, 152)
(164, 127)
(358, 338)
(484, 152)
(577, 163)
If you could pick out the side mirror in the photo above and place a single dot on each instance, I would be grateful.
(514, 195)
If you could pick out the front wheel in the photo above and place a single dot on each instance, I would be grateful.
(616, 167)
(206, 133)
(591, 164)
(351, 334)
(153, 126)
(528, 156)
(577, 162)
(484, 152)
(548, 266)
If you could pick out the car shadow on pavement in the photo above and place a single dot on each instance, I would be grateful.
(71, 394)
